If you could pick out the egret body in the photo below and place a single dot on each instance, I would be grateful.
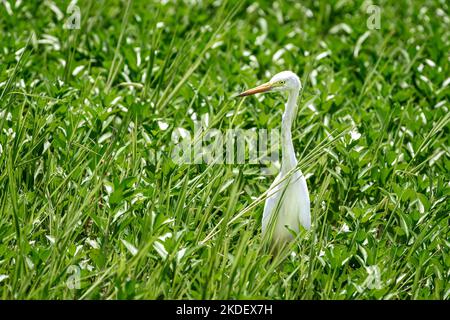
(287, 205)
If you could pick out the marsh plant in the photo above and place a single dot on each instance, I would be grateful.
(93, 206)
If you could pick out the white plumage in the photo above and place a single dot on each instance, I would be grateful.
(287, 205)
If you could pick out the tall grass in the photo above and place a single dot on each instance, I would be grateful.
(87, 181)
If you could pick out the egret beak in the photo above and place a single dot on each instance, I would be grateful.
(262, 88)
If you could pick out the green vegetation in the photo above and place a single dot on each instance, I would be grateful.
(84, 112)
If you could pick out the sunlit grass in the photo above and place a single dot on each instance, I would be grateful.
(87, 181)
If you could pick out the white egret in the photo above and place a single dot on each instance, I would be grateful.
(287, 205)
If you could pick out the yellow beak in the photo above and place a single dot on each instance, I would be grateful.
(262, 88)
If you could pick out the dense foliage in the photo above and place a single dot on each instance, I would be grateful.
(88, 188)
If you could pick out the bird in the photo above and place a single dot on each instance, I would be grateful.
(287, 205)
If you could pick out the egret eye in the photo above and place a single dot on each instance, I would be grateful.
(282, 82)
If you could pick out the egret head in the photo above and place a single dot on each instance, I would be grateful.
(283, 81)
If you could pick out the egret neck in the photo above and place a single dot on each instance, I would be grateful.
(288, 160)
